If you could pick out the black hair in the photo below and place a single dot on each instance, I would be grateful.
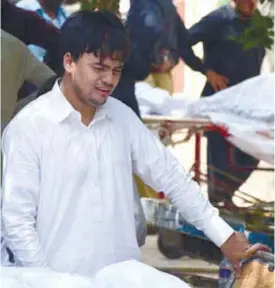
(99, 32)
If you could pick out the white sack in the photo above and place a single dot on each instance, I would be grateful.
(128, 274)
(134, 274)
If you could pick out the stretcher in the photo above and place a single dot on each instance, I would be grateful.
(197, 126)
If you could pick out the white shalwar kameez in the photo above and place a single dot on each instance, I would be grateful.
(68, 188)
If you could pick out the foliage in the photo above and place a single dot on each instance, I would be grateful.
(261, 31)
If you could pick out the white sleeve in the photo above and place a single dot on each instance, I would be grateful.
(162, 171)
(21, 194)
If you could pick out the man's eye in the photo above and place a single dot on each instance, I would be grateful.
(117, 71)
(98, 68)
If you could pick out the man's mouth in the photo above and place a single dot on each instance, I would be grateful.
(103, 92)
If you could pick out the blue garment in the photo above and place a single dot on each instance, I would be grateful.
(222, 54)
(34, 5)
(152, 24)
(155, 25)
(228, 58)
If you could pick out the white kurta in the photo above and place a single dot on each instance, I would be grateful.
(68, 189)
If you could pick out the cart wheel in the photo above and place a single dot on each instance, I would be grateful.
(170, 244)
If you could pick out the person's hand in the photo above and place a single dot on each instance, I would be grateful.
(165, 67)
(167, 64)
(237, 248)
(217, 81)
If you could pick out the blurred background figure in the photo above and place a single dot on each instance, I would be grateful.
(160, 24)
(18, 64)
(49, 10)
(228, 57)
(28, 26)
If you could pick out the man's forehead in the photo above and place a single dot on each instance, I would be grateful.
(107, 59)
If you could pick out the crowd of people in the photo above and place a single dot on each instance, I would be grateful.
(73, 136)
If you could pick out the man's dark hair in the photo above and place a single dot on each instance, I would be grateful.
(99, 32)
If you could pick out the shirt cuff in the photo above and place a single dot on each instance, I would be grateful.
(218, 231)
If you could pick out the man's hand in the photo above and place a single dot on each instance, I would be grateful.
(165, 67)
(217, 81)
(237, 248)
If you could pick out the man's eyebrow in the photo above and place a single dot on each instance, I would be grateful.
(120, 66)
(100, 64)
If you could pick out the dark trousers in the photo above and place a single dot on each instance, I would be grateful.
(224, 177)
(226, 167)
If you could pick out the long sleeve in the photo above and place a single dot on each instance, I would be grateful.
(36, 71)
(29, 27)
(21, 182)
(206, 30)
(185, 49)
(159, 169)
(149, 21)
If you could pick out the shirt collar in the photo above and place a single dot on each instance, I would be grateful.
(62, 109)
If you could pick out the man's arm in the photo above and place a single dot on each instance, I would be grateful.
(207, 30)
(21, 182)
(29, 27)
(150, 27)
(161, 170)
(185, 49)
(36, 71)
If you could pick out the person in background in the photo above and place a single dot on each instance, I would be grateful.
(52, 12)
(77, 154)
(49, 10)
(28, 26)
(159, 23)
(18, 64)
(229, 58)
(159, 39)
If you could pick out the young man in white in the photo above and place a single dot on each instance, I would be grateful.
(69, 159)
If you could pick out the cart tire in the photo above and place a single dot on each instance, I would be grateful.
(170, 244)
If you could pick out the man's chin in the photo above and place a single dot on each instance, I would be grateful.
(96, 104)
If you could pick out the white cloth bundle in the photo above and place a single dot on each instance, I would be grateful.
(246, 110)
(121, 275)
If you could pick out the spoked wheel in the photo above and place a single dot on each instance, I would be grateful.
(174, 245)
(170, 244)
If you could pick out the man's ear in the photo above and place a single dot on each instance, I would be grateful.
(68, 63)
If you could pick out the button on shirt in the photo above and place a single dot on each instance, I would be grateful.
(68, 198)
(34, 5)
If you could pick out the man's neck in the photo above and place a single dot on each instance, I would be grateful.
(238, 12)
(87, 112)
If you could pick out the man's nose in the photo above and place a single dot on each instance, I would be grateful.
(108, 78)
